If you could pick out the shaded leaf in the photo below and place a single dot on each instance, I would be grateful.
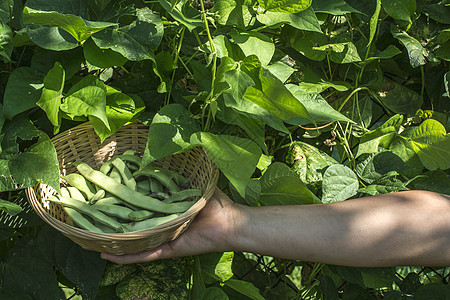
(385, 184)
(304, 20)
(379, 164)
(183, 12)
(9, 207)
(135, 41)
(244, 287)
(281, 186)
(25, 84)
(287, 6)
(399, 98)
(415, 50)
(102, 58)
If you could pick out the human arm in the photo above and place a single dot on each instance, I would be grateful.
(404, 228)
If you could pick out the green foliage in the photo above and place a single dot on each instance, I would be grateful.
(297, 102)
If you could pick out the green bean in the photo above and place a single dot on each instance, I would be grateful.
(75, 194)
(149, 223)
(140, 215)
(177, 177)
(161, 176)
(155, 185)
(159, 195)
(65, 192)
(78, 181)
(127, 177)
(106, 167)
(81, 221)
(109, 200)
(89, 211)
(115, 174)
(128, 195)
(97, 196)
(183, 194)
(117, 211)
(143, 186)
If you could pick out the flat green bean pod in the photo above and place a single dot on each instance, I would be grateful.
(149, 223)
(80, 182)
(128, 195)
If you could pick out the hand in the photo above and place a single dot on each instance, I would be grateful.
(209, 232)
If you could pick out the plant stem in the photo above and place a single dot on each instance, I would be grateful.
(175, 61)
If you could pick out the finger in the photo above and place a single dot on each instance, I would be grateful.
(161, 252)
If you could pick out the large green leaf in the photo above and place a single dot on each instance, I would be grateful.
(382, 136)
(336, 7)
(307, 43)
(439, 12)
(277, 99)
(217, 266)
(281, 186)
(433, 291)
(317, 107)
(25, 84)
(400, 9)
(255, 43)
(81, 29)
(82, 267)
(339, 184)
(102, 58)
(244, 287)
(435, 181)
(308, 162)
(416, 51)
(27, 270)
(10, 207)
(120, 109)
(87, 98)
(431, 143)
(287, 6)
(399, 98)
(234, 13)
(212, 293)
(169, 132)
(36, 164)
(51, 96)
(135, 41)
(379, 164)
(183, 12)
(236, 157)
(51, 38)
(304, 20)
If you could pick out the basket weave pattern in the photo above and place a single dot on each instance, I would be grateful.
(82, 144)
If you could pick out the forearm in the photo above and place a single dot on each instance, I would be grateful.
(409, 228)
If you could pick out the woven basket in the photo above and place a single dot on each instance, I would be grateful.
(82, 144)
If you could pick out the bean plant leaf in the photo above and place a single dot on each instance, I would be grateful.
(431, 143)
(402, 147)
(51, 96)
(82, 267)
(304, 20)
(287, 6)
(25, 84)
(135, 41)
(102, 58)
(434, 181)
(337, 7)
(377, 165)
(277, 99)
(374, 23)
(169, 132)
(401, 9)
(339, 184)
(244, 287)
(432, 291)
(281, 186)
(234, 13)
(307, 44)
(87, 98)
(27, 270)
(399, 98)
(236, 157)
(439, 12)
(183, 12)
(212, 293)
(372, 140)
(416, 52)
(81, 29)
(9, 207)
(120, 109)
(51, 38)
(386, 184)
(308, 163)
(217, 266)
(317, 107)
(255, 43)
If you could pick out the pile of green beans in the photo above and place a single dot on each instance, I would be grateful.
(124, 196)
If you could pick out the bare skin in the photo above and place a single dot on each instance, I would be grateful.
(404, 228)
